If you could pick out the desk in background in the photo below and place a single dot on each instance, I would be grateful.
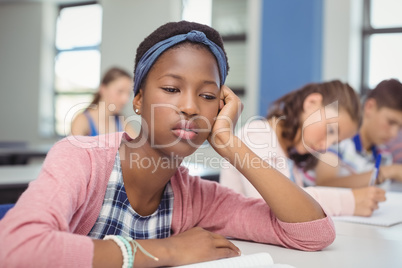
(15, 179)
(20, 153)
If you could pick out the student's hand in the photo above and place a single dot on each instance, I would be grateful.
(367, 199)
(230, 108)
(390, 172)
(199, 245)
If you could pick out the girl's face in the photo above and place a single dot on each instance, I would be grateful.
(323, 127)
(117, 93)
(180, 100)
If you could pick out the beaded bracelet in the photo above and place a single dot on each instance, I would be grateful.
(129, 251)
(136, 245)
(123, 249)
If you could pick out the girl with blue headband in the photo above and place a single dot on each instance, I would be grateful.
(115, 201)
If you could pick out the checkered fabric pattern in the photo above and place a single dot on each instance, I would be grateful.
(117, 217)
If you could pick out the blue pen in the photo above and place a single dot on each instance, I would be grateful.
(376, 170)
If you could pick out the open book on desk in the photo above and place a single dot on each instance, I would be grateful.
(257, 260)
(388, 213)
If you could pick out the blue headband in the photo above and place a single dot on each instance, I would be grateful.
(149, 58)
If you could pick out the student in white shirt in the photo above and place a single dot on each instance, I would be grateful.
(299, 126)
(382, 120)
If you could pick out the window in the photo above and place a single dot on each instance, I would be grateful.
(382, 42)
(77, 60)
(197, 11)
(229, 18)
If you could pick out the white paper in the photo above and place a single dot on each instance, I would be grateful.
(388, 214)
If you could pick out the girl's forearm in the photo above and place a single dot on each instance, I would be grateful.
(108, 254)
(287, 200)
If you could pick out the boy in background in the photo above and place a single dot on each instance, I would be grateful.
(395, 147)
(382, 120)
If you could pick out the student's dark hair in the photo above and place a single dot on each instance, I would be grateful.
(175, 28)
(109, 76)
(290, 107)
(388, 94)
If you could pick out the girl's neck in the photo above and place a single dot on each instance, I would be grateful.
(145, 173)
(102, 110)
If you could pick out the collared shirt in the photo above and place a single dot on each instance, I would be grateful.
(117, 217)
(354, 159)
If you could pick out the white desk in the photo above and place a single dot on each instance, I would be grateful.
(18, 174)
(355, 246)
(16, 155)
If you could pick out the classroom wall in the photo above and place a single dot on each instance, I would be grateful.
(308, 41)
(20, 47)
(291, 47)
(341, 57)
(26, 56)
(125, 25)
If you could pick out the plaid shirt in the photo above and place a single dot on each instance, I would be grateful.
(117, 217)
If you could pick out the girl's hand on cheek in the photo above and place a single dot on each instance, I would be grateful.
(199, 245)
(230, 108)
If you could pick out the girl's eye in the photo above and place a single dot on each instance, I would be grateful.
(170, 89)
(208, 97)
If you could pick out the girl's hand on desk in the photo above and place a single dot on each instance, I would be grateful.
(367, 199)
(199, 245)
(230, 108)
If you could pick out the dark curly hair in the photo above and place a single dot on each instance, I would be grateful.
(290, 106)
(175, 28)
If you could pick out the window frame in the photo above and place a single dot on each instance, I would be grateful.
(367, 31)
(57, 51)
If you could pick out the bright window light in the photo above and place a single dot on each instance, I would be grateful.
(386, 13)
(385, 58)
(197, 11)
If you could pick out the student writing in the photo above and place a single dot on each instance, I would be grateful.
(303, 122)
(382, 120)
(85, 193)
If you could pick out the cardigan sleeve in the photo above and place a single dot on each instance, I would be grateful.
(37, 231)
(221, 210)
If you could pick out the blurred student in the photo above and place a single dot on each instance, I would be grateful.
(382, 120)
(103, 115)
(395, 148)
(300, 124)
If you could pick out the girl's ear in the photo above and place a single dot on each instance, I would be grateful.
(312, 101)
(137, 102)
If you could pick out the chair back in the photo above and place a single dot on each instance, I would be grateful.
(4, 208)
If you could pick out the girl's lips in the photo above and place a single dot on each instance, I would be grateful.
(185, 130)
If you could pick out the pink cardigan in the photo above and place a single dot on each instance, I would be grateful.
(48, 225)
